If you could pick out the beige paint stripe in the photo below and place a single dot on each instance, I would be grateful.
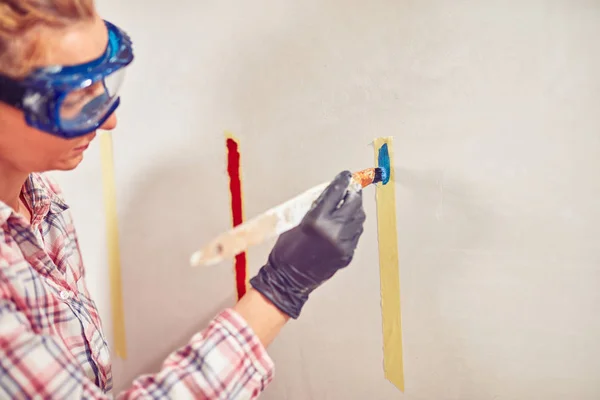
(389, 273)
(112, 239)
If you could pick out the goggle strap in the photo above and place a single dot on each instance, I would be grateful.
(11, 92)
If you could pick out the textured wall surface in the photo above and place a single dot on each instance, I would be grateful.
(495, 110)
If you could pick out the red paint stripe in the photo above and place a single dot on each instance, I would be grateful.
(237, 214)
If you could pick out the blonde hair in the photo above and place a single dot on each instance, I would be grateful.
(20, 47)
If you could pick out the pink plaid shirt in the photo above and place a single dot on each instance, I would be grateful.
(51, 340)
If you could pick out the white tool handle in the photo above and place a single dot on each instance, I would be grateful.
(270, 224)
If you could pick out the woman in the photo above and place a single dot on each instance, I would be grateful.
(60, 69)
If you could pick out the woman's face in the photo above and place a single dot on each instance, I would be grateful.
(29, 150)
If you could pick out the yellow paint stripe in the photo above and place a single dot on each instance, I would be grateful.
(389, 273)
(112, 239)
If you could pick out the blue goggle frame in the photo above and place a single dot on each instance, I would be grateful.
(40, 94)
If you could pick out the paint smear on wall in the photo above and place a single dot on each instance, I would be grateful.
(389, 268)
(112, 240)
(237, 208)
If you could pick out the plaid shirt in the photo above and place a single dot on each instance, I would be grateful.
(51, 340)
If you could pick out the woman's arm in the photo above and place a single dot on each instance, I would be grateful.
(262, 316)
(226, 360)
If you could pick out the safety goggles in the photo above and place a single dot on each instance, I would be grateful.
(71, 101)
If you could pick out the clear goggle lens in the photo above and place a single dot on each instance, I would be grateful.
(83, 108)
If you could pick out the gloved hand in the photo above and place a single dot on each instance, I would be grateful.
(311, 253)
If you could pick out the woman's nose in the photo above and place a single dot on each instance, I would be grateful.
(110, 123)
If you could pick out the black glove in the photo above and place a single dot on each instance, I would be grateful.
(311, 253)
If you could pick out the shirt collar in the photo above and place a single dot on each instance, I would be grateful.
(41, 198)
